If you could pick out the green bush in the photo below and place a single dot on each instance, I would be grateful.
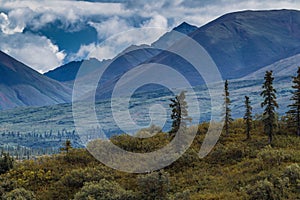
(103, 190)
(19, 194)
(154, 185)
(148, 132)
(267, 190)
(77, 177)
(185, 195)
(272, 156)
(226, 155)
(293, 173)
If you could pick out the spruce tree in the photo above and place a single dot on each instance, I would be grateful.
(67, 146)
(179, 112)
(294, 111)
(270, 104)
(6, 162)
(248, 116)
(228, 118)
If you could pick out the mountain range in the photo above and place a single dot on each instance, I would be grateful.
(242, 44)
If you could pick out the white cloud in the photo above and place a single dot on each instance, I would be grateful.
(157, 21)
(118, 42)
(35, 51)
(198, 12)
(110, 19)
(8, 27)
(110, 27)
(83, 52)
(119, 35)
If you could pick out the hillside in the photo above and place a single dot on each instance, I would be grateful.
(22, 86)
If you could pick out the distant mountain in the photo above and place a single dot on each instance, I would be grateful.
(69, 71)
(284, 68)
(137, 55)
(65, 72)
(22, 86)
(243, 42)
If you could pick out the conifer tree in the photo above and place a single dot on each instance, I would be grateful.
(270, 104)
(6, 162)
(248, 117)
(294, 111)
(67, 146)
(228, 118)
(179, 112)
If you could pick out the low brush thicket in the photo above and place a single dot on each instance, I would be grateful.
(235, 169)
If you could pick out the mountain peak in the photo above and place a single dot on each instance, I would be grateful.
(185, 28)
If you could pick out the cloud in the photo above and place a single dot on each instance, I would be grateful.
(8, 27)
(117, 35)
(35, 51)
(109, 18)
(38, 13)
(83, 52)
(110, 27)
(72, 14)
(118, 42)
(157, 21)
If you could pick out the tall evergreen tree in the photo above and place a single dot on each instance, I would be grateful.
(270, 104)
(294, 111)
(248, 116)
(6, 162)
(228, 118)
(179, 112)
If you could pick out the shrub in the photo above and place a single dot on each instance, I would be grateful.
(154, 185)
(226, 155)
(267, 190)
(202, 128)
(103, 190)
(185, 195)
(77, 177)
(19, 194)
(273, 156)
(293, 173)
(148, 132)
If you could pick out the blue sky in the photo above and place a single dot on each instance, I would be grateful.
(47, 34)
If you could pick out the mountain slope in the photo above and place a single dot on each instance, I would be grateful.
(243, 42)
(22, 86)
(284, 68)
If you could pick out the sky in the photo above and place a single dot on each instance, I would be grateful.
(46, 34)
